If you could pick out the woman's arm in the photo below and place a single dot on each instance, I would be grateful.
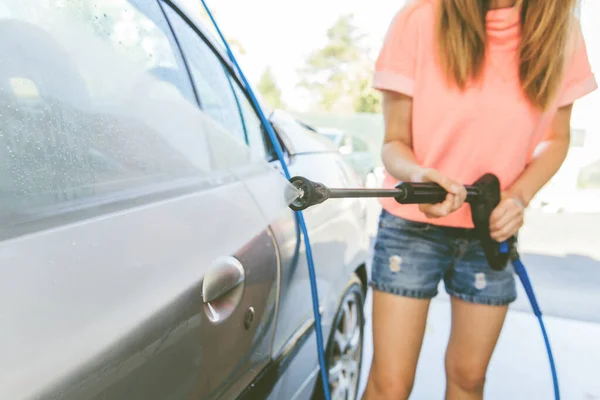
(547, 161)
(507, 218)
(397, 154)
(399, 159)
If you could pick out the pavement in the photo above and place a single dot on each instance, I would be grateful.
(562, 256)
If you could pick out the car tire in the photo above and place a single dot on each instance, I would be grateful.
(343, 355)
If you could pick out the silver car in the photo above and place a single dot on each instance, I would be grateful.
(124, 272)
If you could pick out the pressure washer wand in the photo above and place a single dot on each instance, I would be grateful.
(312, 193)
(483, 196)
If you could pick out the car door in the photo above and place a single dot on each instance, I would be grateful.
(222, 99)
(136, 262)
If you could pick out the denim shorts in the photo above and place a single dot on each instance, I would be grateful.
(411, 258)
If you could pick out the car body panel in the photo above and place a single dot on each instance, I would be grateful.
(108, 306)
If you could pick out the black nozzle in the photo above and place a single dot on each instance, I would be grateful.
(309, 193)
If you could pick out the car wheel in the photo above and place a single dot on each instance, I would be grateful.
(343, 355)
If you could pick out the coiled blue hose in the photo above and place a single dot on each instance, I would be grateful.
(299, 215)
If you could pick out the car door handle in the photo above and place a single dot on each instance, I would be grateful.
(222, 278)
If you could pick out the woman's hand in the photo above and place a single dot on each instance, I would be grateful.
(456, 197)
(507, 218)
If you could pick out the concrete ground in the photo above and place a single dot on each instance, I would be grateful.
(562, 255)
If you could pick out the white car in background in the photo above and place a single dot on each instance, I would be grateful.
(355, 151)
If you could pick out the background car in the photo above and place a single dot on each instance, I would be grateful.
(122, 196)
(354, 149)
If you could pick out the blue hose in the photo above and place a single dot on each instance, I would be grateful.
(300, 216)
(526, 282)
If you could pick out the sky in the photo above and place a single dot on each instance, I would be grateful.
(280, 34)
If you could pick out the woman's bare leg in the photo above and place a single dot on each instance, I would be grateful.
(398, 329)
(474, 334)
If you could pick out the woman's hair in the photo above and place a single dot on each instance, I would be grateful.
(545, 24)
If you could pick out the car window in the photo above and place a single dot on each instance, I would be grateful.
(219, 94)
(75, 122)
(253, 125)
(135, 30)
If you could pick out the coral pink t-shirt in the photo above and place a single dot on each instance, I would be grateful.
(488, 128)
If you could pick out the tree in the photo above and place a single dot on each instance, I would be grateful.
(267, 86)
(338, 74)
(367, 100)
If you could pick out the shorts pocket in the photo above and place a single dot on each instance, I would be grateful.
(407, 261)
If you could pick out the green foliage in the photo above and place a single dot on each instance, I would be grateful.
(338, 74)
(367, 99)
(268, 88)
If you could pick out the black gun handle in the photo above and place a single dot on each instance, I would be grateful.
(430, 193)
(420, 193)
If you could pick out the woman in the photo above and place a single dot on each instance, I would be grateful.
(469, 87)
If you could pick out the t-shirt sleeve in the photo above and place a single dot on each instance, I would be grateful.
(578, 79)
(396, 63)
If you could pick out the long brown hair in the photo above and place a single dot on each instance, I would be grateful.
(545, 24)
